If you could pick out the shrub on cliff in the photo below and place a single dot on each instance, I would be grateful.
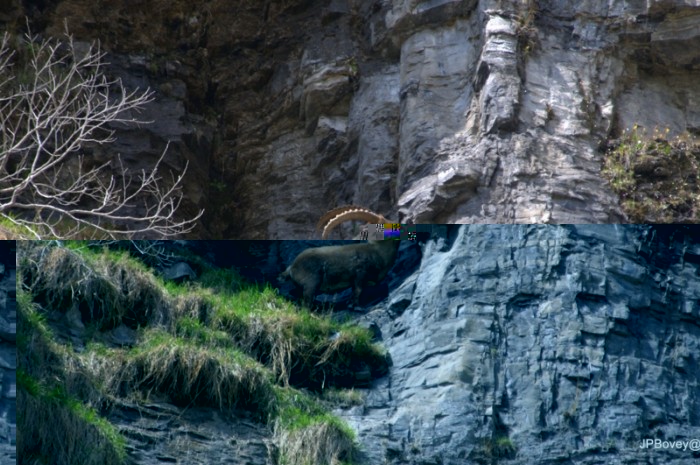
(656, 177)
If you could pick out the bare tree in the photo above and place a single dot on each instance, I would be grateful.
(54, 106)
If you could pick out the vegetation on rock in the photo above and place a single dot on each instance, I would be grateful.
(216, 342)
(657, 178)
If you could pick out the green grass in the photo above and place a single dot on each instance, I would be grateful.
(86, 436)
(309, 434)
(342, 397)
(100, 255)
(12, 230)
(30, 320)
(220, 280)
(656, 178)
(216, 341)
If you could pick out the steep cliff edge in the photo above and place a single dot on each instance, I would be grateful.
(541, 344)
(518, 344)
(426, 111)
(8, 354)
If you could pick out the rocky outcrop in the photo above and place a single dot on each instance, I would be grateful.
(527, 344)
(160, 433)
(540, 344)
(516, 344)
(451, 111)
(8, 354)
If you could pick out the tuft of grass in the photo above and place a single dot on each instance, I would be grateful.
(656, 178)
(194, 330)
(190, 374)
(78, 434)
(526, 29)
(108, 288)
(343, 397)
(302, 348)
(499, 448)
(216, 341)
(307, 434)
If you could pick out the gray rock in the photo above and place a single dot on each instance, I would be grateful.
(543, 345)
(8, 354)
(520, 344)
(163, 433)
(122, 336)
(533, 344)
(179, 272)
(444, 111)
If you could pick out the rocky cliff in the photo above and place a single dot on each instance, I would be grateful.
(8, 354)
(517, 344)
(541, 344)
(440, 111)
(530, 344)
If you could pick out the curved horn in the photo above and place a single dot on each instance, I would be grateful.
(332, 214)
(342, 214)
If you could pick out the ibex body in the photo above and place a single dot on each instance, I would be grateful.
(335, 268)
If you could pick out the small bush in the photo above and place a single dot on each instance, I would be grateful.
(657, 179)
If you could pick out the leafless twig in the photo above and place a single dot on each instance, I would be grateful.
(51, 109)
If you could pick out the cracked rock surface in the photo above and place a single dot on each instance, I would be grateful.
(451, 111)
(540, 344)
(528, 344)
(8, 354)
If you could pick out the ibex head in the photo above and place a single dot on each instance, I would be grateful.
(342, 214)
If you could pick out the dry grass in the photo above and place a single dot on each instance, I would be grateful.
(657, 178)
(318, 443)
(224, 344)
(190, 375)
(304, 349)
(77, 433)
(105, 291)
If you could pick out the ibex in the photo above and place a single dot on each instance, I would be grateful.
(335, 268)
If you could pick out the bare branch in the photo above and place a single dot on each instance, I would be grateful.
(53, 107)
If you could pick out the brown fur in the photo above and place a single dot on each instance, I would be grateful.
(335, 268)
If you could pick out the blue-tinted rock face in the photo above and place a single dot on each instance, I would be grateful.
(8, 353)
(525, 344)
(531, 344)
(540, 344)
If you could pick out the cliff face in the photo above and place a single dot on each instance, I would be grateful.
(530, 344)
(440, 111)
(8, 353)
(540, 344)
(518, 344)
